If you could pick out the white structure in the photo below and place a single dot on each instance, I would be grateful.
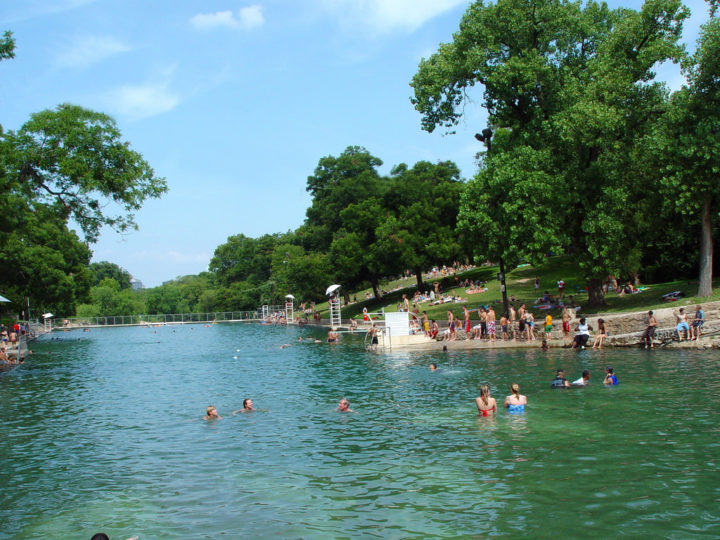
(136, 284)
(289, 314)
(333, 291)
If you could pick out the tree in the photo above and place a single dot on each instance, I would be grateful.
(421, 214)
(346, 209)
(244, 259)
(44, 262)
(572, 85)
(75, 160)
(104, 269)
(687, 146)
(7, 46)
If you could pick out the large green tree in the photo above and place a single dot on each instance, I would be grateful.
(686, 146)
(421, 205)
(104, 269)
(572, 85)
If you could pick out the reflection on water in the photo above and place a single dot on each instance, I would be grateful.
(105, 433)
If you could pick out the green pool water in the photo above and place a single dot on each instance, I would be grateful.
(102, 431)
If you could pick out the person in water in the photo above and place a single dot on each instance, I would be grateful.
(610, 377)
(332, 337)
(247, 406)
(560, 381)
(433, 367)
(515, 402)
(486, 404)
(344, 406)
(584, 380)
(211, 413)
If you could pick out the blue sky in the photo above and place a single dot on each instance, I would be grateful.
(234, 102)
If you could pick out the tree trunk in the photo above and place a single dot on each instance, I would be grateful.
(346, 297)
(375, 288)
(503, 288)
(418, 275)
(706, 250)
(596, 298)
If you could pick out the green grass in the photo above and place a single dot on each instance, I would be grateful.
(520, 283)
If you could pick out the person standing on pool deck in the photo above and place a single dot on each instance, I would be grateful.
(515, 402)
(490, 324)
(486, 404)
(610, 377)
(649, 333)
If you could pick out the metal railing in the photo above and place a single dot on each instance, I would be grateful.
(165, 318)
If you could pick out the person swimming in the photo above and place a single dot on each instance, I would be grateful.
(486, 404)
(211, 413)
(610, 377)
(344, 406)
(247, 406)
(560, 381)
(433, 366)
(515, 402)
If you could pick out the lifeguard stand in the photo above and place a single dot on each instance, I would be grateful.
(333, 291)
(289, 314)
(265, 312)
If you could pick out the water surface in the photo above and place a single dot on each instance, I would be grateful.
(102, 430)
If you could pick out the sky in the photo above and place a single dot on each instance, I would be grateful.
(235, 102)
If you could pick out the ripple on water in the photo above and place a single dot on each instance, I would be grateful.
(105, 434)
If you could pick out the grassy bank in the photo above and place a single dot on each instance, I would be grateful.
(521, 284)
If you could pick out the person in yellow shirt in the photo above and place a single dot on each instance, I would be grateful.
(548, 325)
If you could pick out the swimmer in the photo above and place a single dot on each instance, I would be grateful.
(433, 366)
(332, 337)
(560, 381)
(211, 413)
(544, 345)
(610, 377)
(486, 404)
(515, 402)
(284, 345)
(373, 334)
(300, 339)
(584, 380)
(344, 406)
(247, 406)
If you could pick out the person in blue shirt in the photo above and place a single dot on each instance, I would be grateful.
(610, 377)
(697, 323)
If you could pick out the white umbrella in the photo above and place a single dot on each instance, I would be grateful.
(331, 289)
(290, 296)
(3, 299)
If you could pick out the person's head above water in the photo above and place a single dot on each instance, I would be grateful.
(586, 374)
(247, 404)
(344, 405)
(609, 370)
(433, 366)
(211, 411)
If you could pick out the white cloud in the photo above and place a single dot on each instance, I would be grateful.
(87, 50)
(389, 15)
(247, 18)
(143, 100)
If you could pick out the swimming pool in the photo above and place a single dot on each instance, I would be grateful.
(102, 431)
